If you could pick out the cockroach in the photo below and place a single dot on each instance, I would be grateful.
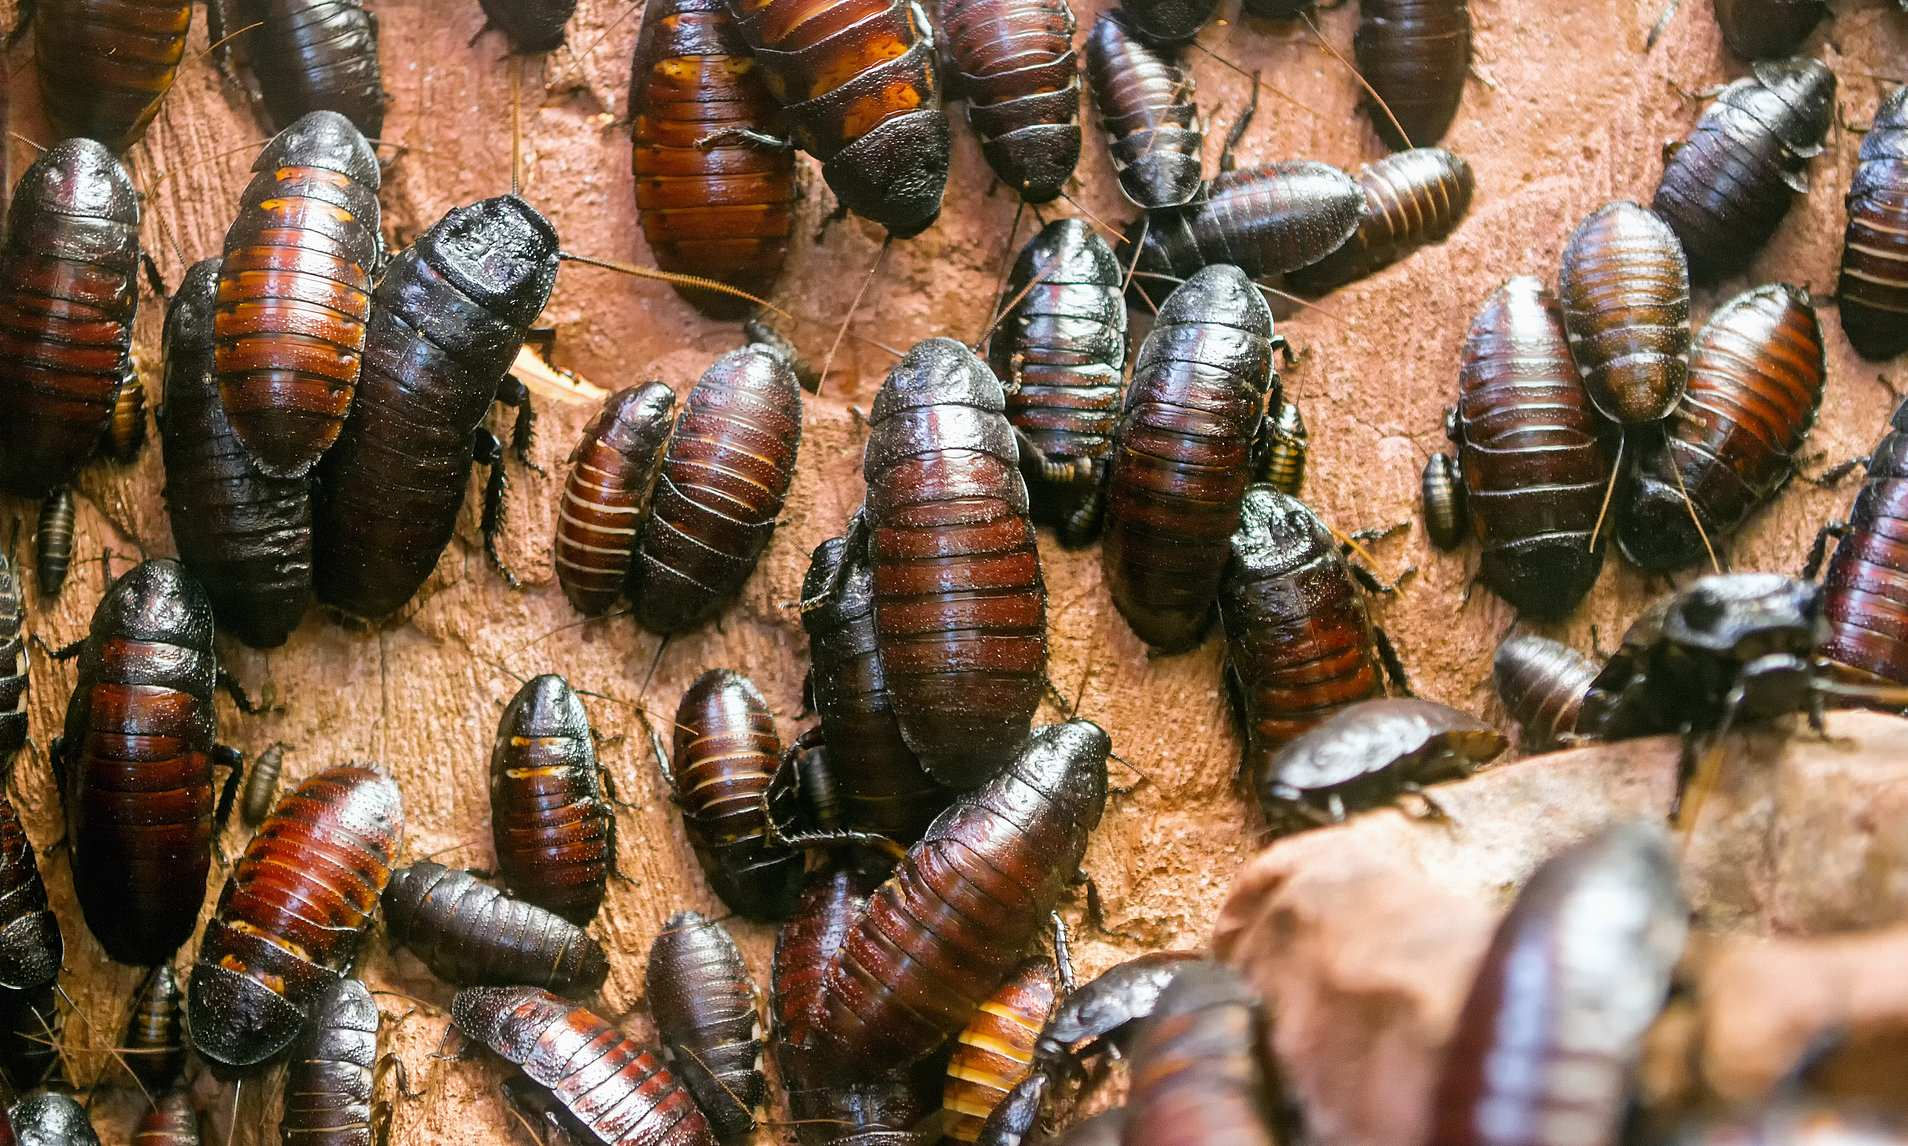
(704, 1003)
(1531, 452)
(14, 665)
(1363, 756)
(1756, 374)
(287, 925)
(448, 318)
(1287, 447)
(1624, 286)
(1725, 189)
(309, 55)
(550, 815)
(126, 431)
(170, 1122)
(49, 1118)
(1147, 108)
(1412, 199)
(606, 495)
(995, 1050)
(261, 785)
(471, 935)
(1264, 220)
(53, 542)
(243, 535)
(866, 104)
(1542, 685)
(30, 1025)
(1014, 65)
(105, 64)
(1060, 350)
(1865, 590)
(30, 944)
(69, 269)
(607, 1088)
(1415, 54)
(331, 1082)
(1759, 29)
(155, 1050)
(1872, 291)
(1193, 413)
(1198, 1073)
(1446, 511)
(1553, 1026)
(941, 934)
(134, 764)
(530, 25)
(715, 192)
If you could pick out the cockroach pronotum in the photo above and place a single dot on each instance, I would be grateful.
(30, 945)
(1624, 287)
(704, 1003)
(1446, 512)
(1872, 291)
(995, 1051)
(261, 785)
(1286, 451)
(1759, 29)
(308, 55)
(332, 1079)
(14, 664)
(53, 542)
(105, 64)
(1193, 413)
(1412, 198)
(49, 1118)
(1542, 685)
(1199, 1073)
(1865, 590)
(295, 292)
(246, 537)
(1415, 54)
(1264, 220)
(530, 25)
(1060, 351)
(286, 925)
(126, 431)
(550, 815)
(155, 1035)
(715, 192)
(1756, 374)
(68, 291)
(1725, 189)
(472, 935)
(30, 1024)
(606, 496)
(448, 318)
(1554, 1024)
(172, 1121)
(1147, 108)
(1014, 66)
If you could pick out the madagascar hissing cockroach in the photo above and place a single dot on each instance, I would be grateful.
(1553, 1027)
(1865, 590)
(530, 25)
(170, 1122)
(1759, 29)
(1541, 683)
(1872, 292)
(715, 192)
(1725, 188)
(608, 1089)
(1060, 351)
(1168, 22)
(1264, 220)
(1415, 54)
(1531, 452)
(307, 55)
(550, 816)
(1287, 446)
(50, 1118)
(295, 293)
(126, 431)
(104, 65)
(261, 785)
(134, 764)
(606, 495)
(246, 537)
(1014, 66)
(155, 1050)
(30, 1025)
(470, 934)
(53, 542)
(969, 898)
(1412, 198)
(1446, 511)
(14, 664)
(332, 1079)
(1181, 460)
(1148, 110)
(703, 1001)
(1756, 373)
(995, 1050)
(68, 291)
(291, 916)
(448, 318)
(1624, 286)
(30, 945)
(1199, 1073)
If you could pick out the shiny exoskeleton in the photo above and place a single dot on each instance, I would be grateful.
(126, 432)
(1264, 220)
(1758, 29)
(1148, 110)
(331, 1083)
(996, 1049)
(1416, 55)
(53, 542)
(104, 65)
(295, 293)
(1865, 590)
(448, 318)
(1168, 22)
(261, 785)
(1412, 199)
(1446, 510)
(309, 55)
(1193, 414)
(550, 816)
(1624, 287)
(1287, 447)
(30, 945)
(1726, 187)
(531, 25)
(1198, 1073)
(171, 1122)
(30, 1025)
(292, 914)
(1014, 65)
(246, 537)
(1542, 684)
(606, 496)
(155, 1049)
(470, 934)
(49, 1118)
(68, 291)
(13, 664)
(703, 1000)
(1872, 291)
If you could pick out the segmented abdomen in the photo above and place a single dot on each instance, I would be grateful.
(1147, 109)
(1196, 1067)
(105, 64)
(996, 1049)
(53, 541)
(725, 754)
(1416, 55)
(1865, 590)
(1542, 684)
(1021, 82)
(31, 947)
(469, 933)
(1624, 286)
(704, 1003)
(126, 432)
(155, 1035)
(1873, 287)
(1264, 220)
(554, 830)
(606, 495)
(331, 1082)
(170, 1122)
(1412, 198)
(319, 55)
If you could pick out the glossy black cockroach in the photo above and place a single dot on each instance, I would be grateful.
(1872, 291)
(53, 542)
(155, 1048)
(446, 322)
(1412, 199)
(246, 537)
(261, 785)
(126, 432)
(1756, 374)
(1541, 683)
(1060, 350)
(995, 1051)
(1725, 188)
(49, 1118)
(1198, 1070)
(14, 664)
(172, 1121)
(30, 944)
(1624, 286)
(1441, 492)
(1759, 29)
(1287, 448)
(287, 924)
(531, 25)
(1167, 22)
(1181, 463)
(1264, 220)
(1148, 110)
(1415, 54)
(550, 814)
(1865, 591)
(104, 65)
(308, 55)
(332, 1080)
(606, 495)
(69, 267)
(703, 1001)
(1013, 63)
(30, 1025)
(470, 934)
(1553, 1026)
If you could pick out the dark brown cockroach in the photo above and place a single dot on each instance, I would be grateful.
(1759, 29)
(155, 1048)
(1872, 291)
(295, 292)
(68, 291)
(1147, 108)
(1624, 287)
(607, 494)
(1531, 452)
(703, 1001)
(470, 934)
(53, 542)
(550, 815)
(1060, 351)
(1287, 447)
(1415, 54)
(14, 664)
(995, 1051)
(30, 944)
(1554, 1023)
(1725, 189)
(308, 55)
(1278, 9)
(49, 1118)
(1756, 374)
(331, 1083)
(105, 64)
(1014, 65)
(967, 901)
(1865, 591)
(1264, 220)
(171, 1122)
(287, 924)
(1446, 512)
(134, 764)
(448, 318)
(714, 191)
(1198, 1074)
(1167, 22)
(126, 432)
(530, 25)
(1193, 413)
(1542, 684)
(607, 1088)
(866, 102)
(261, 785)
(1412, 199)
(246, 537)
(30, 1025)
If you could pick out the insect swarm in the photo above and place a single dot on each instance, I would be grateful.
(1013, 64)
(470, 934)
(308, 55)
(550, 816)
(1872, 291)
(704, 1003)
(1147, 111)
(606, 495)
(104, 65)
